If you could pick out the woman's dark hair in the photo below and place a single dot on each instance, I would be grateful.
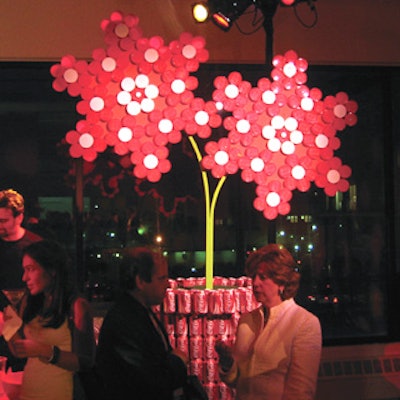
(139, 261)
(278, 264)
(53, 258)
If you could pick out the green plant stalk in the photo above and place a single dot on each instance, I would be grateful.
(210, 204)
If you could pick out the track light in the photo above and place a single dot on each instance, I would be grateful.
(225, 12)
(222, 12)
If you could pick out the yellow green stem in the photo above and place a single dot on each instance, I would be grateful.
(210, 204)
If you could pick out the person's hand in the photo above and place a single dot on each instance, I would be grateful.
(224, 352)
(181, 355)
(1, 322)
(23, 348)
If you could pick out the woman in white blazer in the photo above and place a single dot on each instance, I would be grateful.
(277, 350)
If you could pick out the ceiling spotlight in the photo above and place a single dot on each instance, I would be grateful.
(200, 11)
(226, 12)
(222, 21)
(222, 12)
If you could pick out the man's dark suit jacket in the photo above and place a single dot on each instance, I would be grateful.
(132, 361)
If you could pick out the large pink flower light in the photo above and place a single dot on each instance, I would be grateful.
(137, 96)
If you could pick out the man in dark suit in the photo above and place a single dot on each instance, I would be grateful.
(134, 357)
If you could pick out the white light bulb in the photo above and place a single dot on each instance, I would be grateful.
(221, 157)
(150, 161)
(273, 199)
(86, 140)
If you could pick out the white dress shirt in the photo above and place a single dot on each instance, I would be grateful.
(278, 361)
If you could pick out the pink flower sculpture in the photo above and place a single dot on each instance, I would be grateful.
(137, 98)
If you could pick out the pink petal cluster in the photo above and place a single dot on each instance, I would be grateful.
(137, 98)
(281, 134)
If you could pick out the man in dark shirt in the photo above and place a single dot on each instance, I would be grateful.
(134, 357)
(13, 238)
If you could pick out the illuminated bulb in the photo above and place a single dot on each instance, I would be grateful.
(268, 97)
(201, 118)
(86, 140)
(71, 75)
(189, 51)
(290, 70)
(222, 21)
(273, 199)
(321, 141)
(307, 104)
(128, 84)
(268, 132)
(151, 55)
(150, 161)
(231, 91)
(333, 176)
(291, 124)
(219, 105)
(158, 238)
(288, 2)
(257, 164)
(178, 86)
(200, 12)
(278, 122)
(296, 137)
(124, 98)
(298, 172)
(97, 104)
(125, 134)
(274, 145)
(287, 148)
(133, 108)
(221, 157)
(121, 30)
(165, 126)
(340, 111)
(151, 91)
(108, 64)
(243, 126)
(142, 81)
(147, 105)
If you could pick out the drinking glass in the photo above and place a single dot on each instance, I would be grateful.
(14, 295)
(3, 363)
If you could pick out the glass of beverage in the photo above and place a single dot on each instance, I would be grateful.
(14, 296)
(3, 363)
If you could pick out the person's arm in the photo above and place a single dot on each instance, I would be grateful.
(83, 345)
(83, 340)
(302, 375)
(228, 370)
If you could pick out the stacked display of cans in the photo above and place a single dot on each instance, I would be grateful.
(195, 318)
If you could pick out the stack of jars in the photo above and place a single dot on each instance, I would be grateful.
(195, 318)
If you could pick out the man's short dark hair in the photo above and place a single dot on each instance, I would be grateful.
(139, 261)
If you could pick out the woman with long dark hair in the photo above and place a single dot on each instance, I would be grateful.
(57, 334)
